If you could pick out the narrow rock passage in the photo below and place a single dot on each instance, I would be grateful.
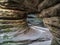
(38, 36)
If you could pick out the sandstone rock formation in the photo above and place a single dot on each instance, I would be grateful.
(14, 13)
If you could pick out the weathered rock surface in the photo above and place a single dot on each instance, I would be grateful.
(37, 36)
(49, 10)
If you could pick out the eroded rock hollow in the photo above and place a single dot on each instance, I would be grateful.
(13, 14)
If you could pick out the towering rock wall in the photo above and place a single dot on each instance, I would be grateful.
(50, 12)
(11, 18)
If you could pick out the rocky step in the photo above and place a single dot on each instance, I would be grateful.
(12, 21)
(6, 13)
(10, 27)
